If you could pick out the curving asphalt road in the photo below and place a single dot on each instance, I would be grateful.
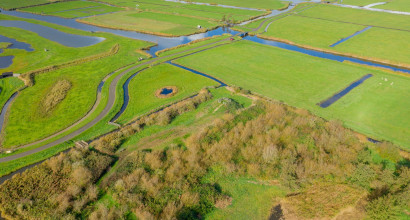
(108, 107)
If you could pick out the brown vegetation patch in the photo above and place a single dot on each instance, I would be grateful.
(54, 96)
(320, 201)
(161, 96)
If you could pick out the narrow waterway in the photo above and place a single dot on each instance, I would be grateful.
(126, 96)
(347, 38)
(344, 92)
(5, 108)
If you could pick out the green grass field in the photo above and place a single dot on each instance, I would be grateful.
(322, 33)
(358, 2)
(396, 5)
(73, 9)
(379, 43)
(374, 109)
(84, 79)
(310, 31)
(9, 4)
(251, 200)
(150, 22)
(209, 12)
(358, 16)
(57, 54)
(200, 11)
(142, 88)
(8, 86)
(261, 4)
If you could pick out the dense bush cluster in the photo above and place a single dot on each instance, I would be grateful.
(314, 158)
(59, 187)
(266, 141)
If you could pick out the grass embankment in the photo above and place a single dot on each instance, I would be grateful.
(85, 79)
(143, 86)
(8, 86)
(72, 9)
(12, 4)
(152, 23)
(379, 44)
(377, 108)
(158, 137)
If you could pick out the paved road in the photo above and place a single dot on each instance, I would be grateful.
(108, 107)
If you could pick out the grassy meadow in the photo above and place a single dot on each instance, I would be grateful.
(8, 86)
(299, 80)
(310, 31)
(358, 16)
(84, 79)
(150, 22)
(372, 43)
(357, 2)
(10, 4)
(143, 86)
(320, 33)
(72, 9)
(395, 5)
(260, 4)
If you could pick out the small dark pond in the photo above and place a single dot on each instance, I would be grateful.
(6, 61)
(66, 39)
(166, 91)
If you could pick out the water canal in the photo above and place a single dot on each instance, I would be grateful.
(168, 42)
